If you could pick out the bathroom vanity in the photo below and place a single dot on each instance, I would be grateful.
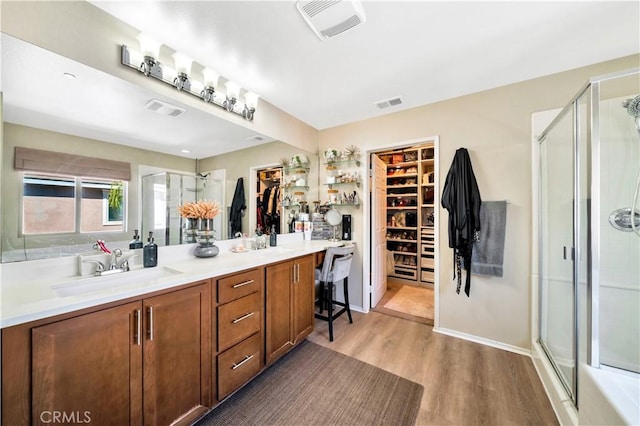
(156, 350)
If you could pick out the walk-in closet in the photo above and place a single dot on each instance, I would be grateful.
(268, 199)
(411, 223)
(411, 203)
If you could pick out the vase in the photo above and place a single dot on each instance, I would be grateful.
(206, 250)
(206, 239)
(190, 230)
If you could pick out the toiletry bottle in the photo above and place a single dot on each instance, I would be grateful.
(136, 243)
(273, 237)
(150, 252)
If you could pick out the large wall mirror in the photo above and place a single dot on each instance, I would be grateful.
(54, 104)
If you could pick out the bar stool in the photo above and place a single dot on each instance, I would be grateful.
(335, 268)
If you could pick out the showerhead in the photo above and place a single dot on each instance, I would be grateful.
(632, 106)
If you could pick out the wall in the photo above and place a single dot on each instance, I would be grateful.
(16, 135)
(619, 251)
(494, 126)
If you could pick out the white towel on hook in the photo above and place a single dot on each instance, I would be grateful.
(488, 252)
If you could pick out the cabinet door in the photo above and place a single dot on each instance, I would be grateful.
(89, 367)
(303, 297)
(177, 362)
(279, 337)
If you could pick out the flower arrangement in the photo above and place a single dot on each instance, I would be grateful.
(199, 210)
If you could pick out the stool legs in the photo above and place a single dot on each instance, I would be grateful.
(346, 298)
(330, 310)
(325, 296)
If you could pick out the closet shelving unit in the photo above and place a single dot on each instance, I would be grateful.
(291, 184)
(410, 206)
(344, 180)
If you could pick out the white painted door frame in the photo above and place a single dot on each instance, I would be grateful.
(366, 225)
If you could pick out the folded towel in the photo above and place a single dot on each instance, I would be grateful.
(488, 251)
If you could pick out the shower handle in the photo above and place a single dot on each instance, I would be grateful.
(564, 253)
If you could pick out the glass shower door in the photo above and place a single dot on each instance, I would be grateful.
(557, 289)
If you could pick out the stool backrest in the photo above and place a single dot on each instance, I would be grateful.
(334, 253)
(341, 267)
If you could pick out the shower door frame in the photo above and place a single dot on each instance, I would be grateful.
(593, 144)
(571, 108)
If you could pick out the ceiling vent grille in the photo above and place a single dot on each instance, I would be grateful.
(386, 103)
(257, 138)
(164, 108)
(328, 18)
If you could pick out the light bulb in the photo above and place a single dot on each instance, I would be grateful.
(210, 77)
(182, 63)
(149, 46)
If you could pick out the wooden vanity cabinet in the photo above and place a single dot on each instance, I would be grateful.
(289, 301)
(143, 362)
(240, 328)
(91, 365)
(176, 342)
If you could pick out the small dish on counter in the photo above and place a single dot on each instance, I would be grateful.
(239, 250)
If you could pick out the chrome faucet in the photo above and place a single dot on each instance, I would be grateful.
(115, 254)
(114, 267)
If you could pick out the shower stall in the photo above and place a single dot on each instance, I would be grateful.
(589, 232)
(163, 192)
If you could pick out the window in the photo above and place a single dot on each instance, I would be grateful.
(61, 204)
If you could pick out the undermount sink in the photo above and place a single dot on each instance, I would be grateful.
(93, 283)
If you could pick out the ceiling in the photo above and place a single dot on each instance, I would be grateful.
(421, 51)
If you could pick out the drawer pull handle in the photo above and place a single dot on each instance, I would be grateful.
(242, 284)
(150, 329)
(244, 317)
(138, 314)
(245, 360)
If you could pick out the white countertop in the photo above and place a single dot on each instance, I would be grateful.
(30, 291)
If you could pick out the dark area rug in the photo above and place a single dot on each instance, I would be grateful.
(313, 385)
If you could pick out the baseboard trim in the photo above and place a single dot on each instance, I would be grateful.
(483, 341)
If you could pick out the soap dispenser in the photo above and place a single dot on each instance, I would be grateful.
(136, 243)
(150, 252)
(273, 237)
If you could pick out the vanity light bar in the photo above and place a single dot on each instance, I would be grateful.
(151, 68)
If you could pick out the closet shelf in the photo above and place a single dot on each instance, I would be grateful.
(402, 208)
(343, 162)
(401, 175)
(399, 186)
(407, 253)
(331, 185)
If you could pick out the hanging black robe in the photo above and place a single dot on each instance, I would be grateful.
(461, 198)
(238, 206)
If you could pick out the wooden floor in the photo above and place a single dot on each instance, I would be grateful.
(464, 383)
(393, 286)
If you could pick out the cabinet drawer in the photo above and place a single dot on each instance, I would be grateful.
(238, 285)
(238, 320)
(237, 365)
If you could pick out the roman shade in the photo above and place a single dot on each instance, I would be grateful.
(38, 160)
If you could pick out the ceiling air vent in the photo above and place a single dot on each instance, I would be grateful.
(257, 138)
(164, 108)
(386, 103)
(328, 18)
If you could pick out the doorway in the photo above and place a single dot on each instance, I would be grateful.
(409, 212)
(268, 198)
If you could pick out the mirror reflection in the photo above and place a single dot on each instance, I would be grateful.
(103, 119)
